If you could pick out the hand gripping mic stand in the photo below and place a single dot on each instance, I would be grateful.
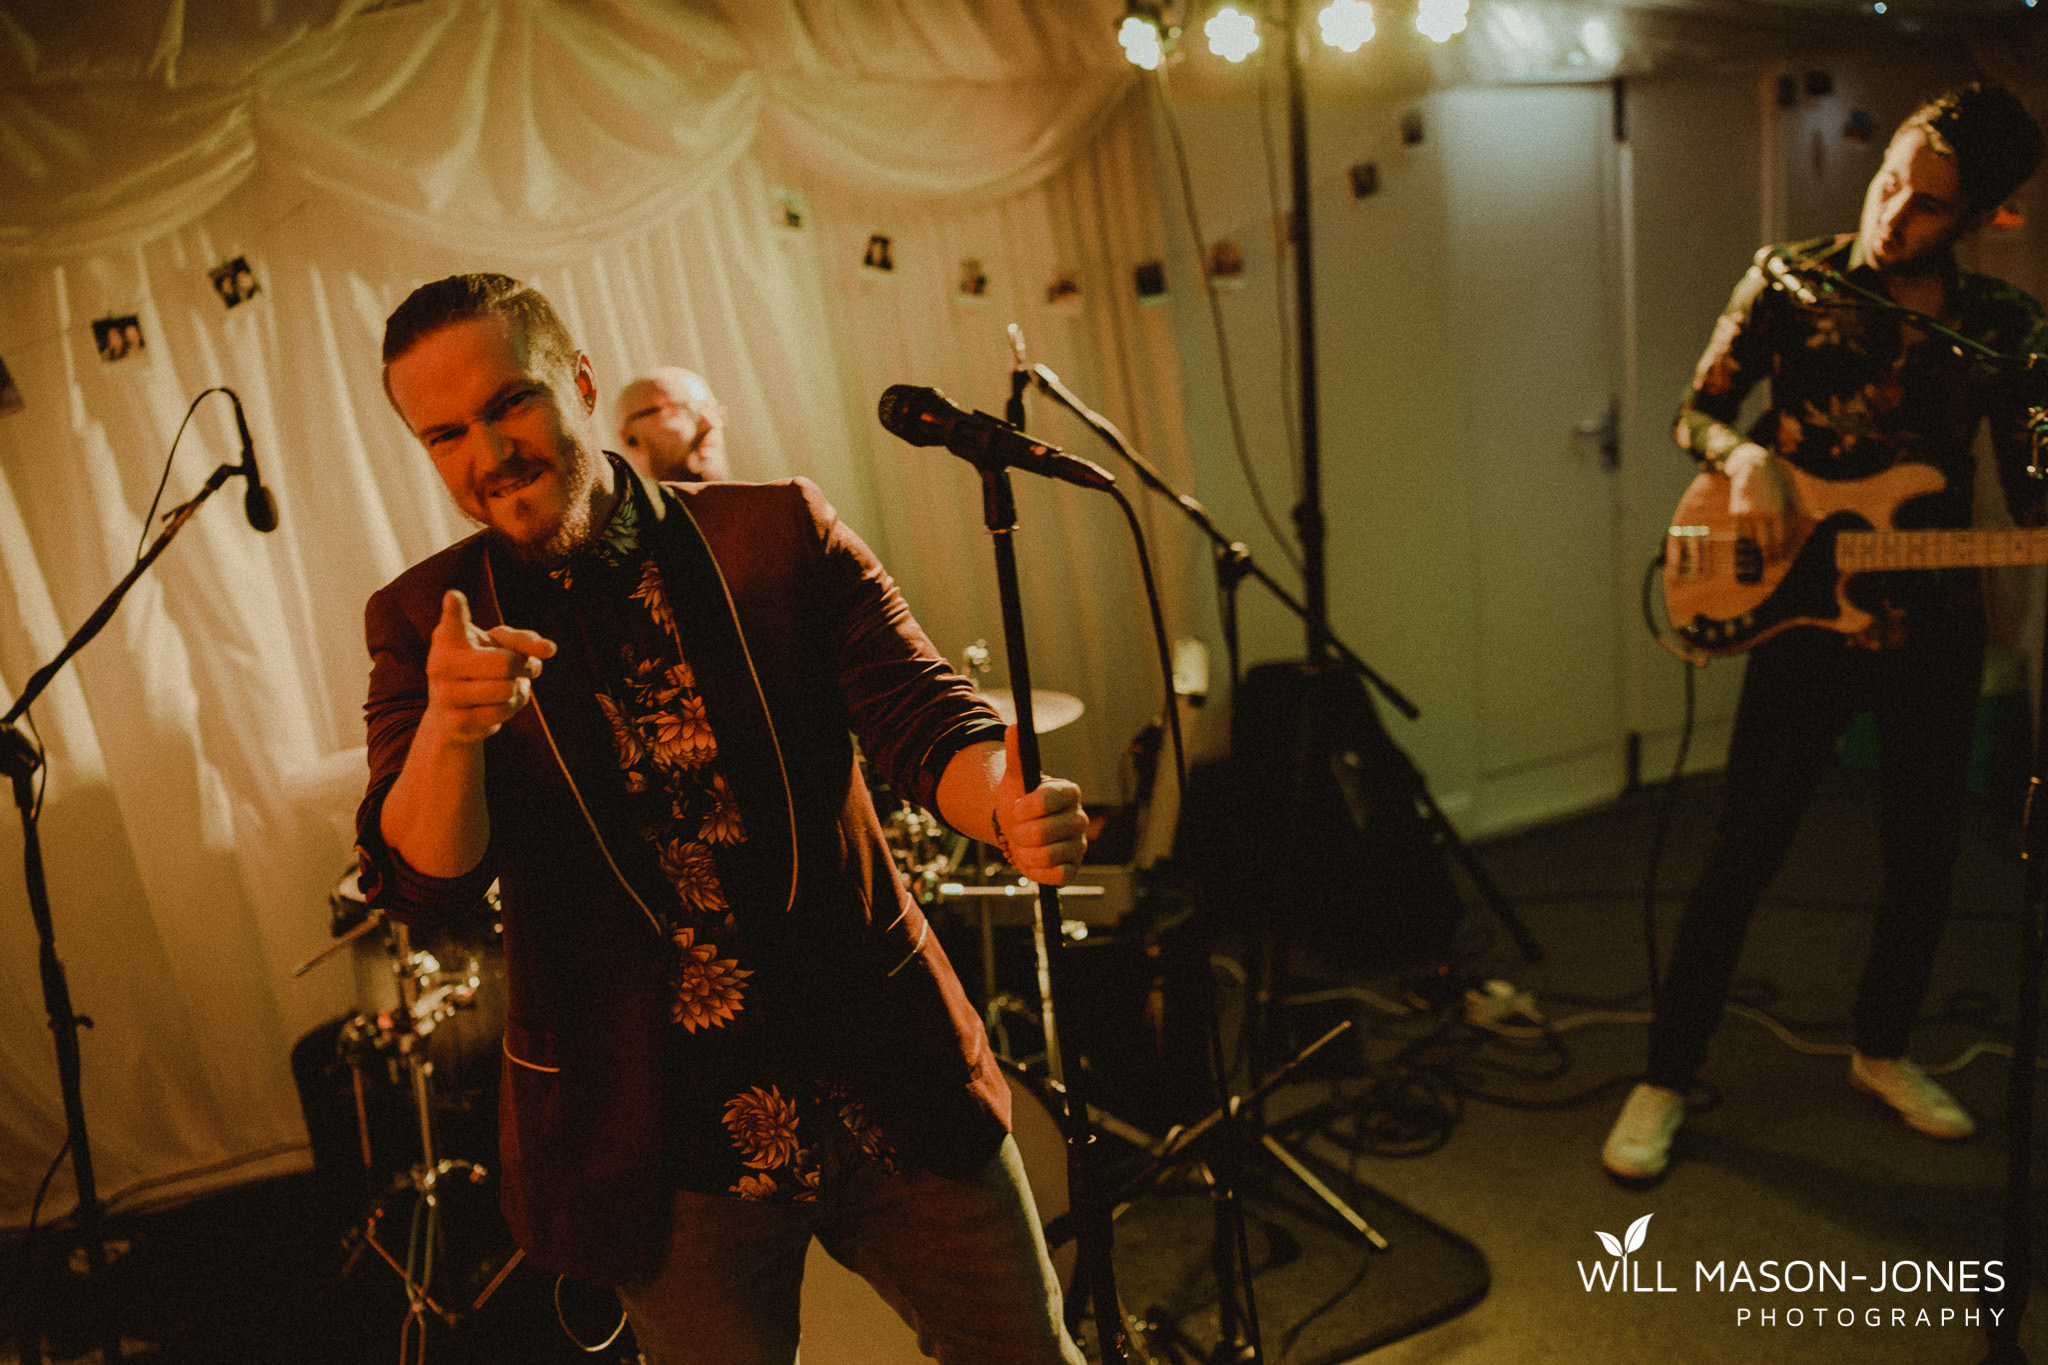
(1095, 1275)
(20, 758)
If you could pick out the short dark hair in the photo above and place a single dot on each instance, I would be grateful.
(459, 298)
(1994, 140)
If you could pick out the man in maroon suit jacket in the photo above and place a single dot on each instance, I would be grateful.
(729, 1027)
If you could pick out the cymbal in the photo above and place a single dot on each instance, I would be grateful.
(1049, 709)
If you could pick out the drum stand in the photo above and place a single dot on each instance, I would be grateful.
(409, 1028)
(425, 1245)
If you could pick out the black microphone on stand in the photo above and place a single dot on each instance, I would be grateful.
(257, 504)
(926, 417)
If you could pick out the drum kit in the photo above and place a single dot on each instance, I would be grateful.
(431, 1005)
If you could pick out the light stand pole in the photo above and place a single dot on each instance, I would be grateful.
(1308, 513)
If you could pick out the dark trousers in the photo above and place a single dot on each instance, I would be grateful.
(1801, 691)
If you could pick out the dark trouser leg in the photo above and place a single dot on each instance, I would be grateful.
(1797, 695)
(1926, 706)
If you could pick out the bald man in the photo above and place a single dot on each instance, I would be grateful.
(673, 427)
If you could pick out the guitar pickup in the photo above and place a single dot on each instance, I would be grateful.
(1749, 561)
(1686, 549)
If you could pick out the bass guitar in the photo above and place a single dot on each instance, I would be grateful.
(1723, 596)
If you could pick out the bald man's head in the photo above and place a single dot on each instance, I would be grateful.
(673, 427)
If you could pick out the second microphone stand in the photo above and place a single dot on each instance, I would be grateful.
(19, 760)
(1234, 564)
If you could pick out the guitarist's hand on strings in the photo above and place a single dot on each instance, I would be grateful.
(1758, 497)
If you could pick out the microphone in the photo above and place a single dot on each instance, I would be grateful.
(926, 417)
(1783, 278)
(257, 503)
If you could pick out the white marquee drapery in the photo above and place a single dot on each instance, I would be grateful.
(204, 751)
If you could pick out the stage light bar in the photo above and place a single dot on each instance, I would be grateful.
(1441, 20)
(1140, 40)
(1233, 34)
(1347, 24)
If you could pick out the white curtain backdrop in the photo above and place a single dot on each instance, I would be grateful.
(204, 752)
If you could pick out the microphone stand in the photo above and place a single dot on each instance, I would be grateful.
(1229, 1247)
(20, 758)
(1094, 1274)
(1234, 564)
(2004, 1335)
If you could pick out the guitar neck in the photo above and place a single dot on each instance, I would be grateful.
(1860, 551)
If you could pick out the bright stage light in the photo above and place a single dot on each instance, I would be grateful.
(1441, 20)
(1233, 34)
(1140, 39)
(1347, 24)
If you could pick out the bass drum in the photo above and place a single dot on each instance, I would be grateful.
(845, 1322)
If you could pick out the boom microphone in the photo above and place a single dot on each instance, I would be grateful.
(257, 503)
(926, 417)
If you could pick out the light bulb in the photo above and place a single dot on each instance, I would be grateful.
(1140, 39)
(1233, 34)
(1347, 24)
(1441, 20)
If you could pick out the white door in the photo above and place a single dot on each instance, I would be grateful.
(1533, 264)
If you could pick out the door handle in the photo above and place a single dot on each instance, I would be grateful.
(1604, 430)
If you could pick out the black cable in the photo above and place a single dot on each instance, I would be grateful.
(1662, 828)
(150, 516)
(1660, 831)
(1187, 192)
(35, 809)
(1241, 1248)
(1180, 756)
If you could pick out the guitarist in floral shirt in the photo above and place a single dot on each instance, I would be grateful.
(1854, 389)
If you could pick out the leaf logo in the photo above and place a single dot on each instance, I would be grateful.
(1628, 1241)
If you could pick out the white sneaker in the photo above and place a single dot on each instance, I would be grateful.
(1924, 1105)
(1639, 1147)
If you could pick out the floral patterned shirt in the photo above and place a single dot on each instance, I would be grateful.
(740, 1119)
(1855, 388)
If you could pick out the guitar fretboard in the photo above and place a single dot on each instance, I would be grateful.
(1858, 551)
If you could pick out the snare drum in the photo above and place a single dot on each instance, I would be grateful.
(458, 971)
(846, 1322)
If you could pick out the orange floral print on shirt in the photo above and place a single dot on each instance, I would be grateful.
(722, 820)
(709, 989)
(763, 1127)
(651, 595)
(689, 868)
